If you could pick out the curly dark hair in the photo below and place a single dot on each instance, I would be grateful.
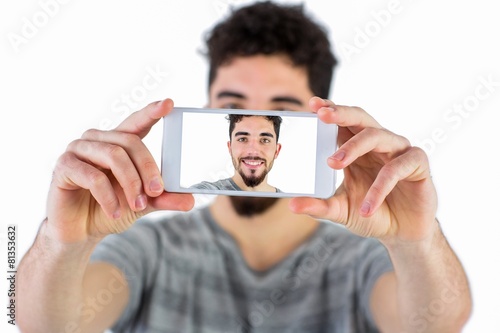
(236, 118)
(269, 29)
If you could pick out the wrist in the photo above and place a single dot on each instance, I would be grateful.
(423, 245)
(50, 238)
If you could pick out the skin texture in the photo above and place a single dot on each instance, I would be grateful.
(106, 180)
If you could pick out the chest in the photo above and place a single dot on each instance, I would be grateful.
(218, 293)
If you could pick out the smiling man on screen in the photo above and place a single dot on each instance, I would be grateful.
(253, 146)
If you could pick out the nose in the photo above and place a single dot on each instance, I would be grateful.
(253, 147)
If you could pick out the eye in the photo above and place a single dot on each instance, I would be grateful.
(265, 140)
(242, 139)
(231, 106)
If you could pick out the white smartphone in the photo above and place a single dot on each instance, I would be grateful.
(279, 154)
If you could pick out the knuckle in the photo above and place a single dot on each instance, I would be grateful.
(64, 159)
(348, 145)
(62, 163)
(129, 139)
(419, 152)
(358, 109)
(73, 144)
(96, 178)
(401, 140)
(371, 131)
(135, 184)
(150, 165)
(116, 152)
(91, 133)
(377, 190)
(389, 171)
(401, 143)
(109, 200)
(405, 141)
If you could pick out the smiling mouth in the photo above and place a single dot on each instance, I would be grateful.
(252, 162)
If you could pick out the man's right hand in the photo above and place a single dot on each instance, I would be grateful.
(106, 180)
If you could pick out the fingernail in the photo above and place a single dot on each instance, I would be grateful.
(156, 185)
(141, 202)
(365, 208)
(339, 155)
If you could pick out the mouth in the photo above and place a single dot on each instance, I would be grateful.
(253, 163)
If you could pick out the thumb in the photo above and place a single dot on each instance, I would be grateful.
(328, 209)
(140, 122)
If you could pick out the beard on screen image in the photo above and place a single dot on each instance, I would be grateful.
(251, 206)
(252, 178)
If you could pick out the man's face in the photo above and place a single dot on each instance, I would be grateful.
(253, 148)
(259, 83)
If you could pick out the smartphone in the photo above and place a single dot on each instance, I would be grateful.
(265, 154)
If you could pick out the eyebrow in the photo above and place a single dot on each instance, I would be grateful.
(287, 99)
(277, 99)
(241, 133)
(233, 94)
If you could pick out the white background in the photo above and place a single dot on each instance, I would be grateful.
(409, 70)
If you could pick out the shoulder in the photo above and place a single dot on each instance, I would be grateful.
(204, 185)
(222, 184)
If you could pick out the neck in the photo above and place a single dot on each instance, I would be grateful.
(267, 238)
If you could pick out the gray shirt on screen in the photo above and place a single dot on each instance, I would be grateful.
(186, 274)
(222, 184)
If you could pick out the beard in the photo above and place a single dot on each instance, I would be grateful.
(251, 206)
(253, 179)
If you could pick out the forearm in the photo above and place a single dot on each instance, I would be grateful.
(433, 291)
(50, 280)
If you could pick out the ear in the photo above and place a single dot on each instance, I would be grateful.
(278, 148)
(229, 146)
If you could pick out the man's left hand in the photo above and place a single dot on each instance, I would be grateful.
(387, 191)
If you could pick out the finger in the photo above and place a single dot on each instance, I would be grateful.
(352, 117)
(408, 167)
(315, 103)
(330, 209)
(140, 155)
(369, 140)
(173, 201)
(140, 122)
(71, 173)
(116, 159)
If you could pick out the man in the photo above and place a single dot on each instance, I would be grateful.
(246, 264)
(253, 146)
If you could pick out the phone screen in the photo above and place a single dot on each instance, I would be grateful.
(248, 153)
(206, 156)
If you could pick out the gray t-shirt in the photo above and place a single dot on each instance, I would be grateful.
(221, 184)
(186, 274)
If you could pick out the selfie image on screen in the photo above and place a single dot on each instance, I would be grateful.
(248, 152)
